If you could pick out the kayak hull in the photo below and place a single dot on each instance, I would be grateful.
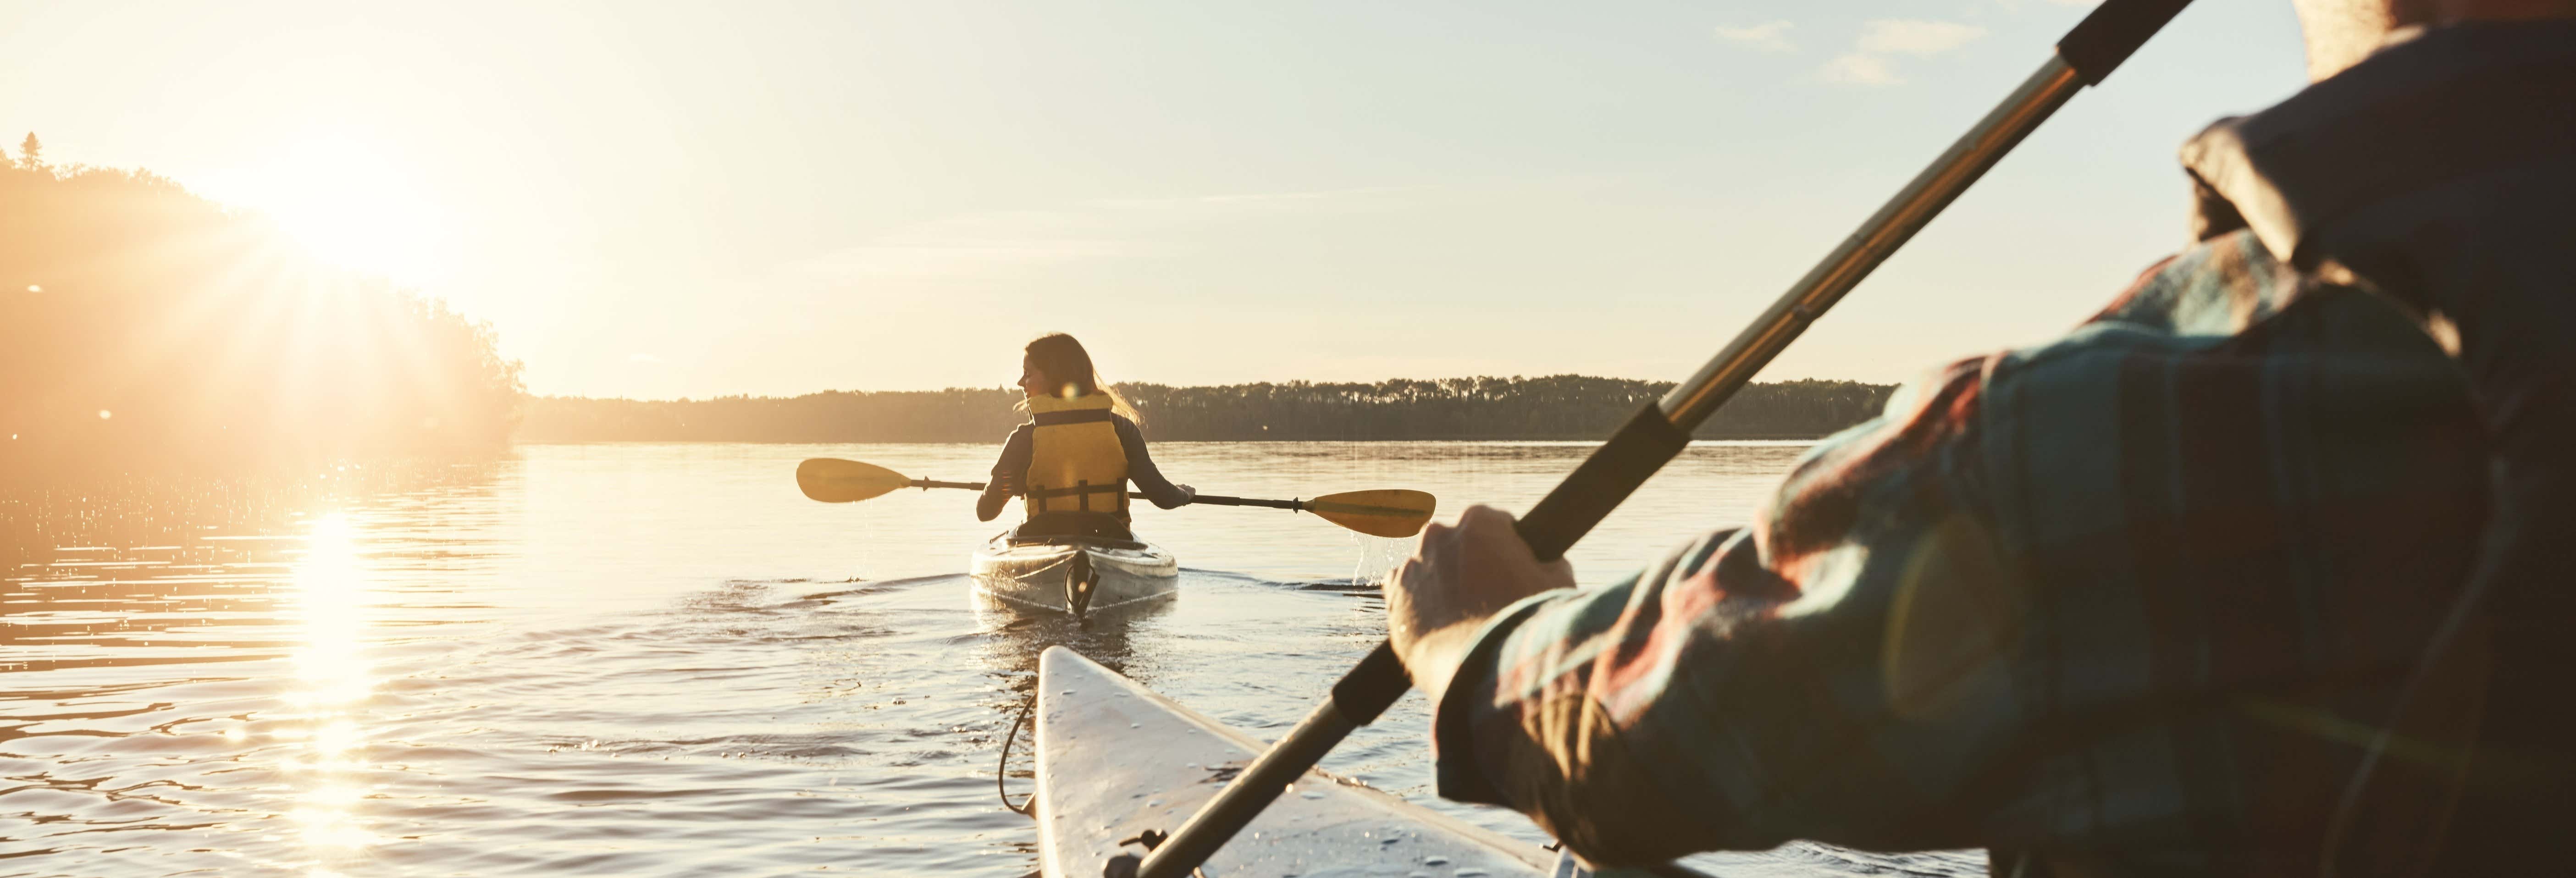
(1074, 575)
(1114, 760)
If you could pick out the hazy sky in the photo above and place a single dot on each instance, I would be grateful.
(662, 200)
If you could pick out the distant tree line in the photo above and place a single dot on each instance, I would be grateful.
(141, 325)
(1552, 407)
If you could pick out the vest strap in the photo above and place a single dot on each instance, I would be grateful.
(1069, 492)
(1077, 416)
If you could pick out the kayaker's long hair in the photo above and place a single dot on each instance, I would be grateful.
(1064, 363)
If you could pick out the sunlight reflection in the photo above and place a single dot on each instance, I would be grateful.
(333, 679)
(330, 586)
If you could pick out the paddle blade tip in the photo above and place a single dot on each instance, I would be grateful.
(833, 480)
(1395, 513)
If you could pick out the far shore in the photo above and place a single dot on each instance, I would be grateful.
(1555, 408)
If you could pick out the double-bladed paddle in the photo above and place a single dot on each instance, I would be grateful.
(1385, 512)
(1661, 430)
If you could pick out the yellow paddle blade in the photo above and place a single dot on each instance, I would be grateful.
(1389, 512)
(833, 480)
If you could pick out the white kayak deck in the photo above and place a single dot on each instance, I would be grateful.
(1114, 759)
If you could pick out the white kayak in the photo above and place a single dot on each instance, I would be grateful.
(1077, 575)
(1115, 760)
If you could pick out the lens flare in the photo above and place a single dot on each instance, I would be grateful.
(350, 200)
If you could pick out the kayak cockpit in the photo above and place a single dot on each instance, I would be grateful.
(1073, 574)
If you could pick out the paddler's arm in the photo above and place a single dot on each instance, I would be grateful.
(2060, 597)
(1473, 590)
(1730, 696)
(1141, 470)
(1587, 710)
(1008, 472)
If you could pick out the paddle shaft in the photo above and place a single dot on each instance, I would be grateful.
(1660, 431)
(1199, 500)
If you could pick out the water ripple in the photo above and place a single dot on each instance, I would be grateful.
(657, 660)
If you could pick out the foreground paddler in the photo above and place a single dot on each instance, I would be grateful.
(2199, 589)
(2155, 598)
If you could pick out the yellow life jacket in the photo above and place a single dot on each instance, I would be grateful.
(1076, 463)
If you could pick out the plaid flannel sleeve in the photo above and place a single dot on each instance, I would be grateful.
(1737, 693)
(2000, 613)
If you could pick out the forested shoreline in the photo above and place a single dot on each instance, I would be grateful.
(1551, 407)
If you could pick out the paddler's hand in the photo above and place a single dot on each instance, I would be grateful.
(1458, 576)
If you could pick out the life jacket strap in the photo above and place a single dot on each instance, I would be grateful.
(1076, 491)
(1076, 416)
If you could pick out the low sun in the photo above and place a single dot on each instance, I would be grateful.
(350, 204)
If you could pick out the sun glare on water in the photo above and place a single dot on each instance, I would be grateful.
(350, 203)
(332, 686)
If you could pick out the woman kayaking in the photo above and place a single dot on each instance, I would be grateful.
(1075, 456)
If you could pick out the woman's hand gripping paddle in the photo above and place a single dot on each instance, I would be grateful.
(1384, 512)
(1661, 430)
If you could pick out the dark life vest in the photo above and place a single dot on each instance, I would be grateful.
(1076, 463)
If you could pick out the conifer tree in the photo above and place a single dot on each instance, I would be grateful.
(31, 153)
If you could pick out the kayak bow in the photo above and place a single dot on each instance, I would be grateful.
(1115, 760)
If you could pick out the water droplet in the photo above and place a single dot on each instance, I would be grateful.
(1435, 860)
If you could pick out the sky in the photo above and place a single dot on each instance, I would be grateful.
(689, 200)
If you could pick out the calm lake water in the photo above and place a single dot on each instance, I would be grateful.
(663, 660)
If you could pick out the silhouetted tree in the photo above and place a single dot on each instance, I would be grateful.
(31, 152)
